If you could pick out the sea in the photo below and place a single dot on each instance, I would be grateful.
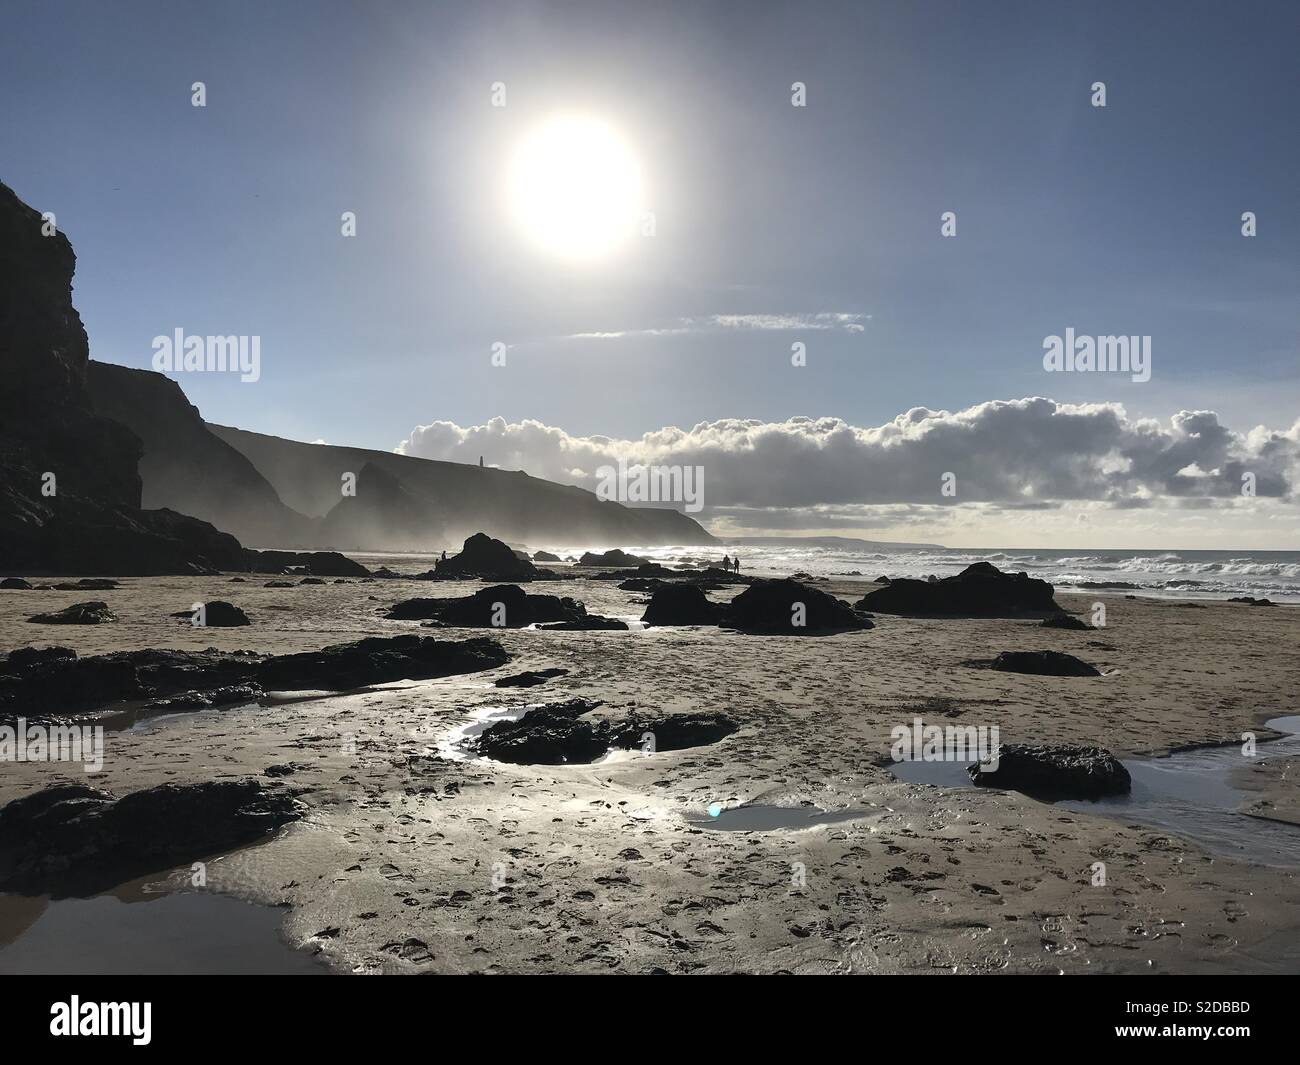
(1272, 575)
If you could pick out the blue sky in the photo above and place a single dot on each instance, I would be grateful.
(225, 219)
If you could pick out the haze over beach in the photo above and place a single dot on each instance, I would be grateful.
(546, 488)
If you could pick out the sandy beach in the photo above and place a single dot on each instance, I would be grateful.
(411, 857)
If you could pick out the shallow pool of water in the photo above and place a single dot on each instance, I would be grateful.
(132, 932)
(1190, 794)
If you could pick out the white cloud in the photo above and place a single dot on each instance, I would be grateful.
(1008, 455)
(845, 321)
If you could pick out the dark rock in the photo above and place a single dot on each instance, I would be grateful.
(644, 571)
(1055, 771)
(314, 563)
(16, 583)
(642, 584)
(378, 660)
(980, 590)
(56, 681)
(499, 606)
(615, 557)
(30, 656)
(770, 607)
(39, 682)
(883, 580)
(1065, 621)
(675, 732)
(530, 678)
(712, 575)
(76, 840)
(310, 580)
(231, 695)
(587, 623)
(545, 556)
(681, 604)
(1250, 600)
(1043, 664)
(92, 613)
(217, 614)
(279, 584)
(550, 734)
(88, 584)
(487, 559)
(557, 733)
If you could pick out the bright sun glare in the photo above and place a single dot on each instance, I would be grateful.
(575, 188)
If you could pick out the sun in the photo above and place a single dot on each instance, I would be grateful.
(575, 188)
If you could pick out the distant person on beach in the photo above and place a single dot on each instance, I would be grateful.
(444, 556)
(726, 562)
(736, 563)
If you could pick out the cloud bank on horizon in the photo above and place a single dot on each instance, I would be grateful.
(1027, 464)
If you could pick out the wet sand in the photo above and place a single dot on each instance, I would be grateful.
(410, 861)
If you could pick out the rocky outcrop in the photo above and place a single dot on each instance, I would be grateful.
(614, 557)
(1043, 664)
(1065, 621)
(545, 556)
(92, 613)
(70, 492)
(1055, 771)
(217, 614)
(315, 563)
(76, 840)
(529, 678)
(501, 606)
(487, 559)
(559, 733)
(788, 608)
(378, 660)
(55, 681)
(586, 623)
(681, 604)
(980, 590)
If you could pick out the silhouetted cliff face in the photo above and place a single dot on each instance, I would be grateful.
(507, 504)
(45, 413)
(189, 469)
(69, 488)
